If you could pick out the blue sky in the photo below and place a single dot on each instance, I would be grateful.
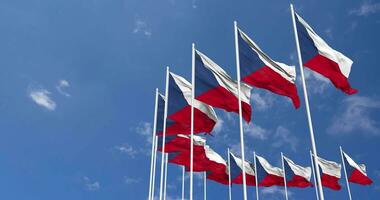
(77, 88)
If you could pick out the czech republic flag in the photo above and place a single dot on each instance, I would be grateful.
(267, 175)
(330, 173)
(236, 172)
(296, 175)
(356, 173)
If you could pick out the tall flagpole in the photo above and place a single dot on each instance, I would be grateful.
(314, 148)
(183, 182)
(153, 145)
(192, 118)
(164, 132)
(166, 174)
(283, 170)
(345, 173)
(204, 185)
(229, 175)
(315, 179)
(240, 110)
(154, 167)
(256, 181)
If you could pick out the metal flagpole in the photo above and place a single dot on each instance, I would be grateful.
(256, 181)
(315, 180)
(314, 148)
(164, 132)
(283, 170)
(154, 166)
(345, 173)
(153, 144)
(240, 110)
(229, 175)
(166, 175)
(183, 182)
(192, 119)
(204, 186)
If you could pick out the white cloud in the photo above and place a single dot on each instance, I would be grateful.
(145, 129)
(127, 149)
(141, 27)
(262, 101)
(366, 8)
(129, 180)
(218, 126)
(316, 83)
(256, 131)
(62, 84)
(274, 192)
(356, 116)
(41, 97)
(91, 185)
(283, 137)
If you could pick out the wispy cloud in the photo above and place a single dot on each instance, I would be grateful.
(262, 100)
(42, 98)
(145, 130)
(316, 83)
(62, 85)
(256, 131)
(356, 116)
(274, 192)
(127, 149)
(366, 8)
(141, 27)
(282, 137)
(91, 185)
(218, 126)
(130, 180)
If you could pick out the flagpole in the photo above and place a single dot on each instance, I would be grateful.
(345, 173)
(183, 182)
(315, 180)
(256, 181)
(283, 170)
(240, 110)
(192, 119)
(153, 144)
(166, 174)
(164, 132)
(314, 148)
(154, 166)
(229, 175)
(204, 186)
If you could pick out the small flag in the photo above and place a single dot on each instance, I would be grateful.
(331, 173)
(356, 173)
(215, 87)
(179, 109)
(267, 175)
(296, 175)
(236, 167)
(321, 58)
(259, 70)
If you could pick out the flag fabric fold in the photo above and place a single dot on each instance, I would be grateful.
(356, 173)
(318, 56)
(179, 109)
(267, 175)
(259, 70)
(236, 167)
(296, 175)
(330, 173)
(215, 87)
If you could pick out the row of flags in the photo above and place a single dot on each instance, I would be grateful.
(266, 175)
(188, 108)
(215, 88)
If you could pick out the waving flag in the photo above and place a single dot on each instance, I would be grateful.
(236, 167)
(356, 173)
(261, 71)
(179, 109)
(215, 87)
(331, 173)
(216, 167)
(180, 143)
(267, 175)
(296, 176)
(321, 58)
